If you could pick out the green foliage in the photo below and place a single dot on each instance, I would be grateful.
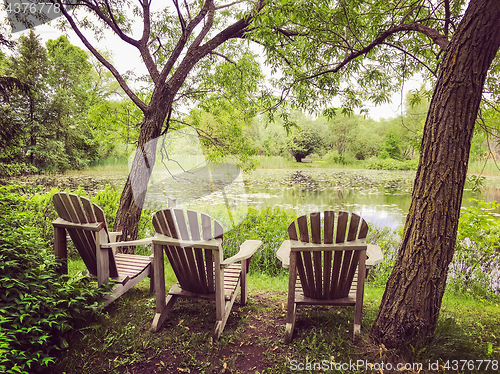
(45, 126)
(389, 241)
(303, 142)
(477, 252)
(269, 225)
(37, 305)
(391, 148)
(16, 168)
(391, 164)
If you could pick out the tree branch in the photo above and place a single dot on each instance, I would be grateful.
(143, 44)
(183, 40)
(437, 38)
(103, 61)
(412, 56)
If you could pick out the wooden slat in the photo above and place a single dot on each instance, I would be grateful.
(94, 213)
(328, 229)
(194, 226)
(329, 222)
(218, 230)
(206, 232)
(292, 231)
(181, 224)
(363, 229)
(346, 263)
(341, 227)
(189, 279)
(353, 227)
(84, 244)
(317, 256)
(305, 259)
(350, 274)
(334, 285)
(191, 266)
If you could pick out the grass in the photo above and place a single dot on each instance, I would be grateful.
(488, 167)
(119, 340)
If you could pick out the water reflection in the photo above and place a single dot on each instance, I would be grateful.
(379, 207)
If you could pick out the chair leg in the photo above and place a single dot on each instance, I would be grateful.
(290, 323)
(291, 305)
(358, 308)
(151, 279)
(220, 324)
(161, 316)
(244, 283)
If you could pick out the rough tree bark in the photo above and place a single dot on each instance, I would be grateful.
(412, 299)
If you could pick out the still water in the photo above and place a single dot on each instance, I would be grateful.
(383, 198)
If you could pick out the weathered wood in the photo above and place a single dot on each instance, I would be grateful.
(325, 273)
(198, 263)
(87, 228)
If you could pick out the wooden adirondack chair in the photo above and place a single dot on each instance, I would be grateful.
(197, 259)
(324, 272)
(86, 226)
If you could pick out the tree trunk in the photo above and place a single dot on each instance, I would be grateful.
(134, 191)
(412, 299)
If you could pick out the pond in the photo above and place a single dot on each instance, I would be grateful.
(382, 197)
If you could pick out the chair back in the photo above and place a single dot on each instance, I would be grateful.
(193, 267)
(328, 273)
(75, 209)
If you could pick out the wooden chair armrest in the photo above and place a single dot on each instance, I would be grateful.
(203, 244)
(131, 243)
(283, 253)
(97, 226)
(374, 254)
(113, 235)
(247, 249)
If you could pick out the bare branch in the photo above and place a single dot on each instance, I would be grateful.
(179, 15)
(105, 62)
(183, 40)
(143, 44)
(229, 5)
(412, 56)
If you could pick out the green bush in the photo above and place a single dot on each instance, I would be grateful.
(37, 305)
(269, 225)
(389, 241)
(475, 268)
(391, 164)
(16, 168)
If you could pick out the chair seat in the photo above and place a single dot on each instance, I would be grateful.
(347, 301)
(130, 266)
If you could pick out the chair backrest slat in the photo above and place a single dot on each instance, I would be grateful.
(341, 227)
(317, 262)
(194, 227)
(206, 232)
(327, 274)
(328, 230)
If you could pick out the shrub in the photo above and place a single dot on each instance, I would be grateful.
(391, 164)
(16, 168)
(37, 305)
(269, 225)
(389, 240)
(475, 265)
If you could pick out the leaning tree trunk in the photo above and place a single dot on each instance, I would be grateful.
(412, 299)
(134, 192)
